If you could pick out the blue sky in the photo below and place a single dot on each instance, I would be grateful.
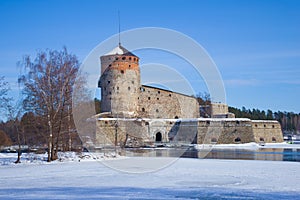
(255, 44)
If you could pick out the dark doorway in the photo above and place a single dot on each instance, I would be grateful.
(237, 140)
(158, 137)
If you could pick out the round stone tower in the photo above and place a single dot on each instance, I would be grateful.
(120, 82)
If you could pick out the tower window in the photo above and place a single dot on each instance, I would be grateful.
(143, 109)
(129, 59)
(157, 98)
(108, 81)
(170, 95)
(123, 58)
(156, 110)
(149, 98)
(122, 71)
(129, 65)
(133, 59)
(117, 58)
(109, 92)
(109, 65)
(118, 88)
(158, 92)
(128, 88)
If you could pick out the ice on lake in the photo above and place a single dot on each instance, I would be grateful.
(184, 179)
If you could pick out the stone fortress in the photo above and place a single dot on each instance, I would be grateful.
(136, 115)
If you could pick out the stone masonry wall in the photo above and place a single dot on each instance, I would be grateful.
(205, 131)
(159, 103)
(110, 129)
(120, 84)
(267, 131)
(223, 131)
(218, 109)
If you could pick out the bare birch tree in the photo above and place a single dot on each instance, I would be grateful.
(47, 85)
(4, 99)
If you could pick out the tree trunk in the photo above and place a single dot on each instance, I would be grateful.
(50, 140)
(19, 145)
(19, 155)
(19, 151)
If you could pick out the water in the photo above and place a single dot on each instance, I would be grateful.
(272, 154)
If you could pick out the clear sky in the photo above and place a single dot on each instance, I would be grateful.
(255, 44)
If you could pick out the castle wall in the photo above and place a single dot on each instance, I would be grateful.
(267, 131)
(111, 129)
(200, 130)
(189, 106)
(159, 103)
(144, 131)
(224, 131)
(217, 109)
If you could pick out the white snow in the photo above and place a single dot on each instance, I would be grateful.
(32, 158)
(184, 179)
(116, 50)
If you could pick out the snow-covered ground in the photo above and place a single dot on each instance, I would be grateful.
(184, 179)
(32, 158)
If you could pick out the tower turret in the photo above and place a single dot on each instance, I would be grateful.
(120, 82)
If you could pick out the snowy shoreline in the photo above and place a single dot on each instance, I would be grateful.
(32, 158)
(63, 157)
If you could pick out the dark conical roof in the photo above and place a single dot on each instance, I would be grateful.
(120, 50)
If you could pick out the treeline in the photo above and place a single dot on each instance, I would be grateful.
(289, 121)
(32, 130)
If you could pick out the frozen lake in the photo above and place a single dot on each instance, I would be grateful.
(184, 179)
